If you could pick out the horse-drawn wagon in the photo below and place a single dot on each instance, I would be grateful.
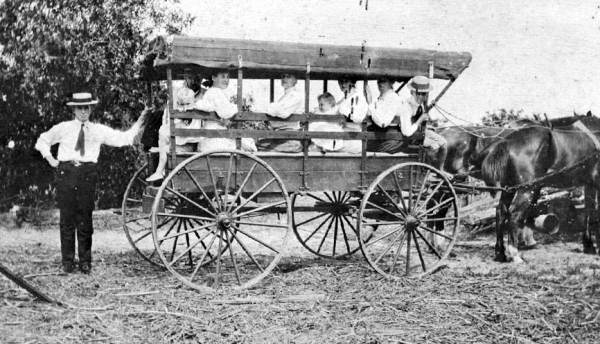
(225, 216)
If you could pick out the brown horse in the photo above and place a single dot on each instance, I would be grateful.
(535, 152)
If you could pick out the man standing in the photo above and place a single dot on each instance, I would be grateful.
(79, 142)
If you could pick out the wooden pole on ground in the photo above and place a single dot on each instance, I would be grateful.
(26, 285)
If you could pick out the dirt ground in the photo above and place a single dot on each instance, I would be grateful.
(554, 297)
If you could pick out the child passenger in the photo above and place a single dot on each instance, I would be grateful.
(326, 107)
(354, 106)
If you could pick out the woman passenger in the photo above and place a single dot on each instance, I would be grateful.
(354, 106)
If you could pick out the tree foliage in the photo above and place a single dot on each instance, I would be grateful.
(501, 117)
(50, 49)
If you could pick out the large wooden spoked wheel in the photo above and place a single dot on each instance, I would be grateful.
(237, 219)
(415, 209)
(136, 223)
(325, 223)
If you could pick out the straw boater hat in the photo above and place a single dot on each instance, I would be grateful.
(420, 83)
(82, 99)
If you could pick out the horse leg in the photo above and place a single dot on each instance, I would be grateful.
(502, 222)
(526, 232)
(519, 209)
(590, 205)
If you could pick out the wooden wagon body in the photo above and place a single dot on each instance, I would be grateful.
(213, 208)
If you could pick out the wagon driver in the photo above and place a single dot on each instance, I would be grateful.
(79, 142)
(411, 112)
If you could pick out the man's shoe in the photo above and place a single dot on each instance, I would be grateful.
(85, 268)
(68, 267)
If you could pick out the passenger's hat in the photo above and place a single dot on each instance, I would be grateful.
(420, 83)
(82, 99)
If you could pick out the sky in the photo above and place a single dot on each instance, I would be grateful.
(540, 56)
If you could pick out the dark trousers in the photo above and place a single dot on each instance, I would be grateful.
(75, 190)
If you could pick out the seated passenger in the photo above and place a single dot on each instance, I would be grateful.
(291, 102)
(215, 99)
(354, 106)
(411, 113)
(183, 100)
(326, 107)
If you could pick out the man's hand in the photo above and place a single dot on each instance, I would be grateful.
(53, 162)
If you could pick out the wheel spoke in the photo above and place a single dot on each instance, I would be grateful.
(384, 210)
(318, 227)
(397, 255)
(419, 252)
(383, 223)
(399, 190)
(436, 232)
(391, 199)
(325, 235)
(231, 254)
(256, 193)
(133, 200)
(239, 191)
(329, 197)
(371, 242)
(142, 237)
(435, 190)
(392, 242)
(434, 219)
(193, 230)
(408, 252)
(200, 188)
(410, 188)
(312, 219)
(261, 224)
(229, 171)
(342, 219)
(213, 181)
(433, 249)
(191, 201)
(317, 198)
(212, 241)
(422, 188)
(351, 225)
(142, 181)
(219, 260)
(176, 239)
(335, 231)
(168, 231)
(245, 249)
(188, 250)
(185, 216)
(437, 206)
(255, 238)
(138, 218)
(266, 206)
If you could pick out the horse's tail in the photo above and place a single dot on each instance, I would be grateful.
(495, 169)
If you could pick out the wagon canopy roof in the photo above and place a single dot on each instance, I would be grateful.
(269, 59)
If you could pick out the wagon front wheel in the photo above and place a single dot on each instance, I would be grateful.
(236, 214)
(416, 210)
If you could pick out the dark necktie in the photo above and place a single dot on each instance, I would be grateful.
(417, 114)
(80, 145)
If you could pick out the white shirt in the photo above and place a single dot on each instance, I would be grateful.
(329, 145)
(216, 99)
(96, 134)
(355, 107)
(388, 106)
(291, 102)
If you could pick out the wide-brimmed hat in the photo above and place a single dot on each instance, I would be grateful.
(420, 83)
(82, 99)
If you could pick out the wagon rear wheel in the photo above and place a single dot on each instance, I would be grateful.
(325, 223)
(136, 223)
(231, 235)
(416, 211)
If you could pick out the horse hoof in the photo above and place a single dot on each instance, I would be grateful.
(529, 247)
(500, 258)
(590, 250)
(517, 260)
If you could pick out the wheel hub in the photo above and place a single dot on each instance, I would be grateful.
(224, 220)
(411, 222)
